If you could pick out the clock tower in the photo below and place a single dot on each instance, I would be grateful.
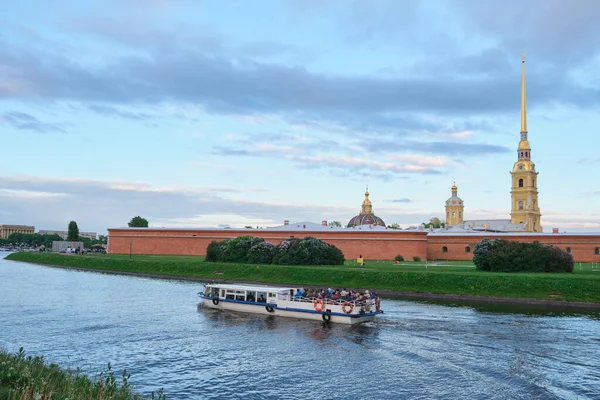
(524, 195)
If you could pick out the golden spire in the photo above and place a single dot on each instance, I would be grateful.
(366, 208)
(523, 96)
(454, 188)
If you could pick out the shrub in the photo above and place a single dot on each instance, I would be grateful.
(212, 251)
(261, 253)
(501, 255)
(248, 249)
(399, 258)
(416, 258)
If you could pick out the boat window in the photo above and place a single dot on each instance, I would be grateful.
(272, 295)
(222, 292)
(230, 296)
(261, 297)
(251, 296)
(240, 297)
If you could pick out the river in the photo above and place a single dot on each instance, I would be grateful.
(417, 350)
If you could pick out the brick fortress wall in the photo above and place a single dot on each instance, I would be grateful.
(382, 245)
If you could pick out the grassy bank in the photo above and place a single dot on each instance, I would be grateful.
(28, 378)
(444, 277)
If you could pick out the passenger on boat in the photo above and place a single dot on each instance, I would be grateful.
(344, 294)
(261, 298)
(250, 297)
(299, 293)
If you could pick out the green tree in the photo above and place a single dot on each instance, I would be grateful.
(73, 232)
(138, 222)
(395, 225)
(336, 224)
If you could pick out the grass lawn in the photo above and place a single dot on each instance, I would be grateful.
(450, 277)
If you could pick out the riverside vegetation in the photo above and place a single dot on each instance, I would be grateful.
(460, 278)
(255, 250)
(29, 378)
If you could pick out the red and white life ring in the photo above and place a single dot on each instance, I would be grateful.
(347, 307)
(319, 304)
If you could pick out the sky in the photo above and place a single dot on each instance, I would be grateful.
(247, 113)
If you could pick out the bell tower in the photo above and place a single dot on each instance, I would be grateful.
(524, 194)
(454, 208)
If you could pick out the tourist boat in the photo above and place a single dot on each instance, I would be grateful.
(286, 303)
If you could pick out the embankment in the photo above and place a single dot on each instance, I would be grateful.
(574, 290)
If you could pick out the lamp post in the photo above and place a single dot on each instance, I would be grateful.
(130, 245)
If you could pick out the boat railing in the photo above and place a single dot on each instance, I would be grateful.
(336, 302)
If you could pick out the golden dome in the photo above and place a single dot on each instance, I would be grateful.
(524, 145)
(454, 188)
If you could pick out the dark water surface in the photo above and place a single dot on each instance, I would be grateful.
(156, 330)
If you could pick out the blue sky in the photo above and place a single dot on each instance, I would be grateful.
(202, 113)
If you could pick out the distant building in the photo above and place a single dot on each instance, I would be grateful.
(454, 208)
(366, 216)
(58, 246)
(6, 230)
(64, 234)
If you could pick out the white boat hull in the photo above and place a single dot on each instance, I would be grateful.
(299, 310)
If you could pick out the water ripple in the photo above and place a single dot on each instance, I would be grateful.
(158, 331)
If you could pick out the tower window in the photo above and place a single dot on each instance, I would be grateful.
(444, 249)
(521, 154)
(526, 154)
(448, 215)
(520, 204)
(468, 249)
(597, 250)
(459, 214)
(521, 182)
(453, 214)
(569, 250)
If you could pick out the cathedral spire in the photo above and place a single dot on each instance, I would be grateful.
(523, 97)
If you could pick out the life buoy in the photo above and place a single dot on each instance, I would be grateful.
(377, 304)
(215, 301)
(270, 308)
(347, 307)
(319, 304)
(326, 317)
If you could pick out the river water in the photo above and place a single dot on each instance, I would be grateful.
(416, 350)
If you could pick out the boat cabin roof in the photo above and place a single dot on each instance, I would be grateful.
(249, 288)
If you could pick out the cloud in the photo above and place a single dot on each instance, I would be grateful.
(440, 147)
(360, 163)
(116, 112)
(98, 205)
(27, 122)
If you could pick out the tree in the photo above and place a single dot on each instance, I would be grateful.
(395, 225)
(336, 224)
(138, 222)
(73, 232)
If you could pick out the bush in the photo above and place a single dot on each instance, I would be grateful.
(501, 255)
(212, 251)
(248, 249)
(416, 258)
(399, 258)
(261, 253)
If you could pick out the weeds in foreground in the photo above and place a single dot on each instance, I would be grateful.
(31, 378)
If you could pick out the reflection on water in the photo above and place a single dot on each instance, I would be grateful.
(417, 350)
